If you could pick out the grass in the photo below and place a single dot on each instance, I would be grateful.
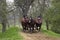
(11, 34)
(49, 32)
(0, 27)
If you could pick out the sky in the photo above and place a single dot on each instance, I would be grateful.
(10, 0)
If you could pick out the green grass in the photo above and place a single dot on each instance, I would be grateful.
(0, 27)
(11, 34)
(49, 32)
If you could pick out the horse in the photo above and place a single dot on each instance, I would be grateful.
(24, 22)
(31, 24)
(38, 23)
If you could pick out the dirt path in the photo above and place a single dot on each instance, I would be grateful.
(37, 36)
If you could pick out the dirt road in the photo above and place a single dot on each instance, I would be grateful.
(37, 36)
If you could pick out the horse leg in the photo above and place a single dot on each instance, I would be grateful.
(23, 28)
(40, 26)
(37, 26)
(27, 27)
(30, 28)
(33, 28)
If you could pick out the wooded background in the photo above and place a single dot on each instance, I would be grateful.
(10, 13)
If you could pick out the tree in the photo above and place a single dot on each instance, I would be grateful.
(53, 15)
(3, 13)
(44, 4)
(24, 5)
(56, 17)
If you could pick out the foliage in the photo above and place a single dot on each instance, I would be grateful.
(3, 10)
(56, 18)
(53, 15)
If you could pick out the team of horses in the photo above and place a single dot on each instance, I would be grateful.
(29, 23)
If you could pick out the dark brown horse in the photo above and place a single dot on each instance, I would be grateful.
(24, 22)
(38, 23)
(31, 24)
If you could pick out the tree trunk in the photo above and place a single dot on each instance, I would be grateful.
(8, 24)
(3, 25)
(47, 24)
(14, 20)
